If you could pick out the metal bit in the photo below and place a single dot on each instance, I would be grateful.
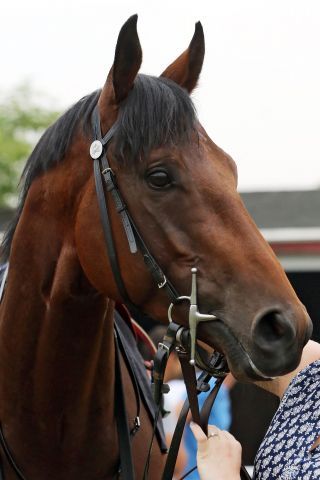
(195, 316)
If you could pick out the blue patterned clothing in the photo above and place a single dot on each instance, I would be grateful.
(285, 451)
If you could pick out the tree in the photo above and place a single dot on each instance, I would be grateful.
(22, 121)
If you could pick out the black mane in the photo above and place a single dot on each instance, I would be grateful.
(157, 112)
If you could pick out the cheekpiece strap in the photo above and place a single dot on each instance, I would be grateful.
(102, 166)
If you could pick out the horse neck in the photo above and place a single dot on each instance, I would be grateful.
(56, 331)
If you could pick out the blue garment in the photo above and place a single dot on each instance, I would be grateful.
(220, 416)
(285, 450)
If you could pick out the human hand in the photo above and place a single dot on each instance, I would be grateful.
(219, 454)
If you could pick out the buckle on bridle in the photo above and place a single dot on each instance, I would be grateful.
(163, 346)
(109, 177)
(136, 426)
(164, 281)
(108, 170)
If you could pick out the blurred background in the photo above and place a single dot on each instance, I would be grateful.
(258, 98)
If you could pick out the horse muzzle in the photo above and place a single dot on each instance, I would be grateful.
(272, 348)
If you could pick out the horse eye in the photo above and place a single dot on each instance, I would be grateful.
(159, 179)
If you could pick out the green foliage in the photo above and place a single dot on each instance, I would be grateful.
(22, 121)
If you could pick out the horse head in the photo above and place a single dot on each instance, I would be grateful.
(181, 190)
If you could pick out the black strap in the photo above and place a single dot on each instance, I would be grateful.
(208, 404)
(161, 359)
(194, 387)
(9, 456)
(204, 417)
(134, 238)
(130, 228)
(1, 470)
(108, 233)
(134, 380)
(244, 475)
(177, 436)
(175, 443)
(190, 380)
(126, 463)
(119, 204)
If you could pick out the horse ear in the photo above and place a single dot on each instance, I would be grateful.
(127, 62)
(185, 70)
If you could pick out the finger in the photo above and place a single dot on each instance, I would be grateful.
(233, 441)
(230, 437)
(213, 429)
(197, 431)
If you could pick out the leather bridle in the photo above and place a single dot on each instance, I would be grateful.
(174, 339)
(98, 152)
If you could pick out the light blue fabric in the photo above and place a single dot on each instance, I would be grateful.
(220, 416)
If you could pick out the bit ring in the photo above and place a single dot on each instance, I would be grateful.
(179, 299)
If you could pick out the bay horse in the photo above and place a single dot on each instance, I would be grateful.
(57, 353)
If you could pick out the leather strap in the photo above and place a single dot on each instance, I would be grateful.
(107, 232)
(177, 436)
(244, 475)
(161, 359)
(119, 204)
(9, 456)
(175, 443)
(126, 463)
(134, 238)
(134, 380)
(208, 404)
(1, 471)
(190, 380)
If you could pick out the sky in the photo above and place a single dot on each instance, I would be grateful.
(259, 91)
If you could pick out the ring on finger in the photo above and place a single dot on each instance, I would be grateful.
(211, 435)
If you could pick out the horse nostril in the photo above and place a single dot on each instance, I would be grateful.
(271, 329)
